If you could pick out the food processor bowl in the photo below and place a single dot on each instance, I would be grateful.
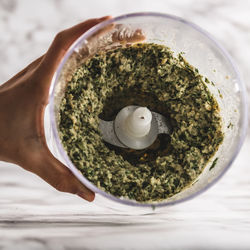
(200, 50)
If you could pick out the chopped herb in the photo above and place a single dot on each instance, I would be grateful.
(144, 75)
(230, 125)
(220, 95)
(195, 182)
(206, 80)
(213, 164)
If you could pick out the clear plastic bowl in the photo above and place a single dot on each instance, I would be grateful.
(201, 50)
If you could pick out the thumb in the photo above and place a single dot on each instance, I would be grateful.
(63, 41)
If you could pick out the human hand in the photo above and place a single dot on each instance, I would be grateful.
(22, 103)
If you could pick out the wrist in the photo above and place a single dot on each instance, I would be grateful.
(3, 138)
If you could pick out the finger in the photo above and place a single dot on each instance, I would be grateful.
(62, 42)
(101, 31)
(92, 41)
(45, 165)
(128, 36)
(63, 179)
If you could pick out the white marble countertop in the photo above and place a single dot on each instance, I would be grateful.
(35, 216)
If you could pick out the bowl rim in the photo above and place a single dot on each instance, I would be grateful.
(243, 118)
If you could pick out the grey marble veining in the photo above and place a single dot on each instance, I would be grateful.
(28, 27)
(35, 216)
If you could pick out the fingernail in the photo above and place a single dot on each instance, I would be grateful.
(86, 196)
(104, 18)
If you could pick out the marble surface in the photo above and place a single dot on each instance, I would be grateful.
(35, 216)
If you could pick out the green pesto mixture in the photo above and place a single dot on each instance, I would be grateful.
(144, 75)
